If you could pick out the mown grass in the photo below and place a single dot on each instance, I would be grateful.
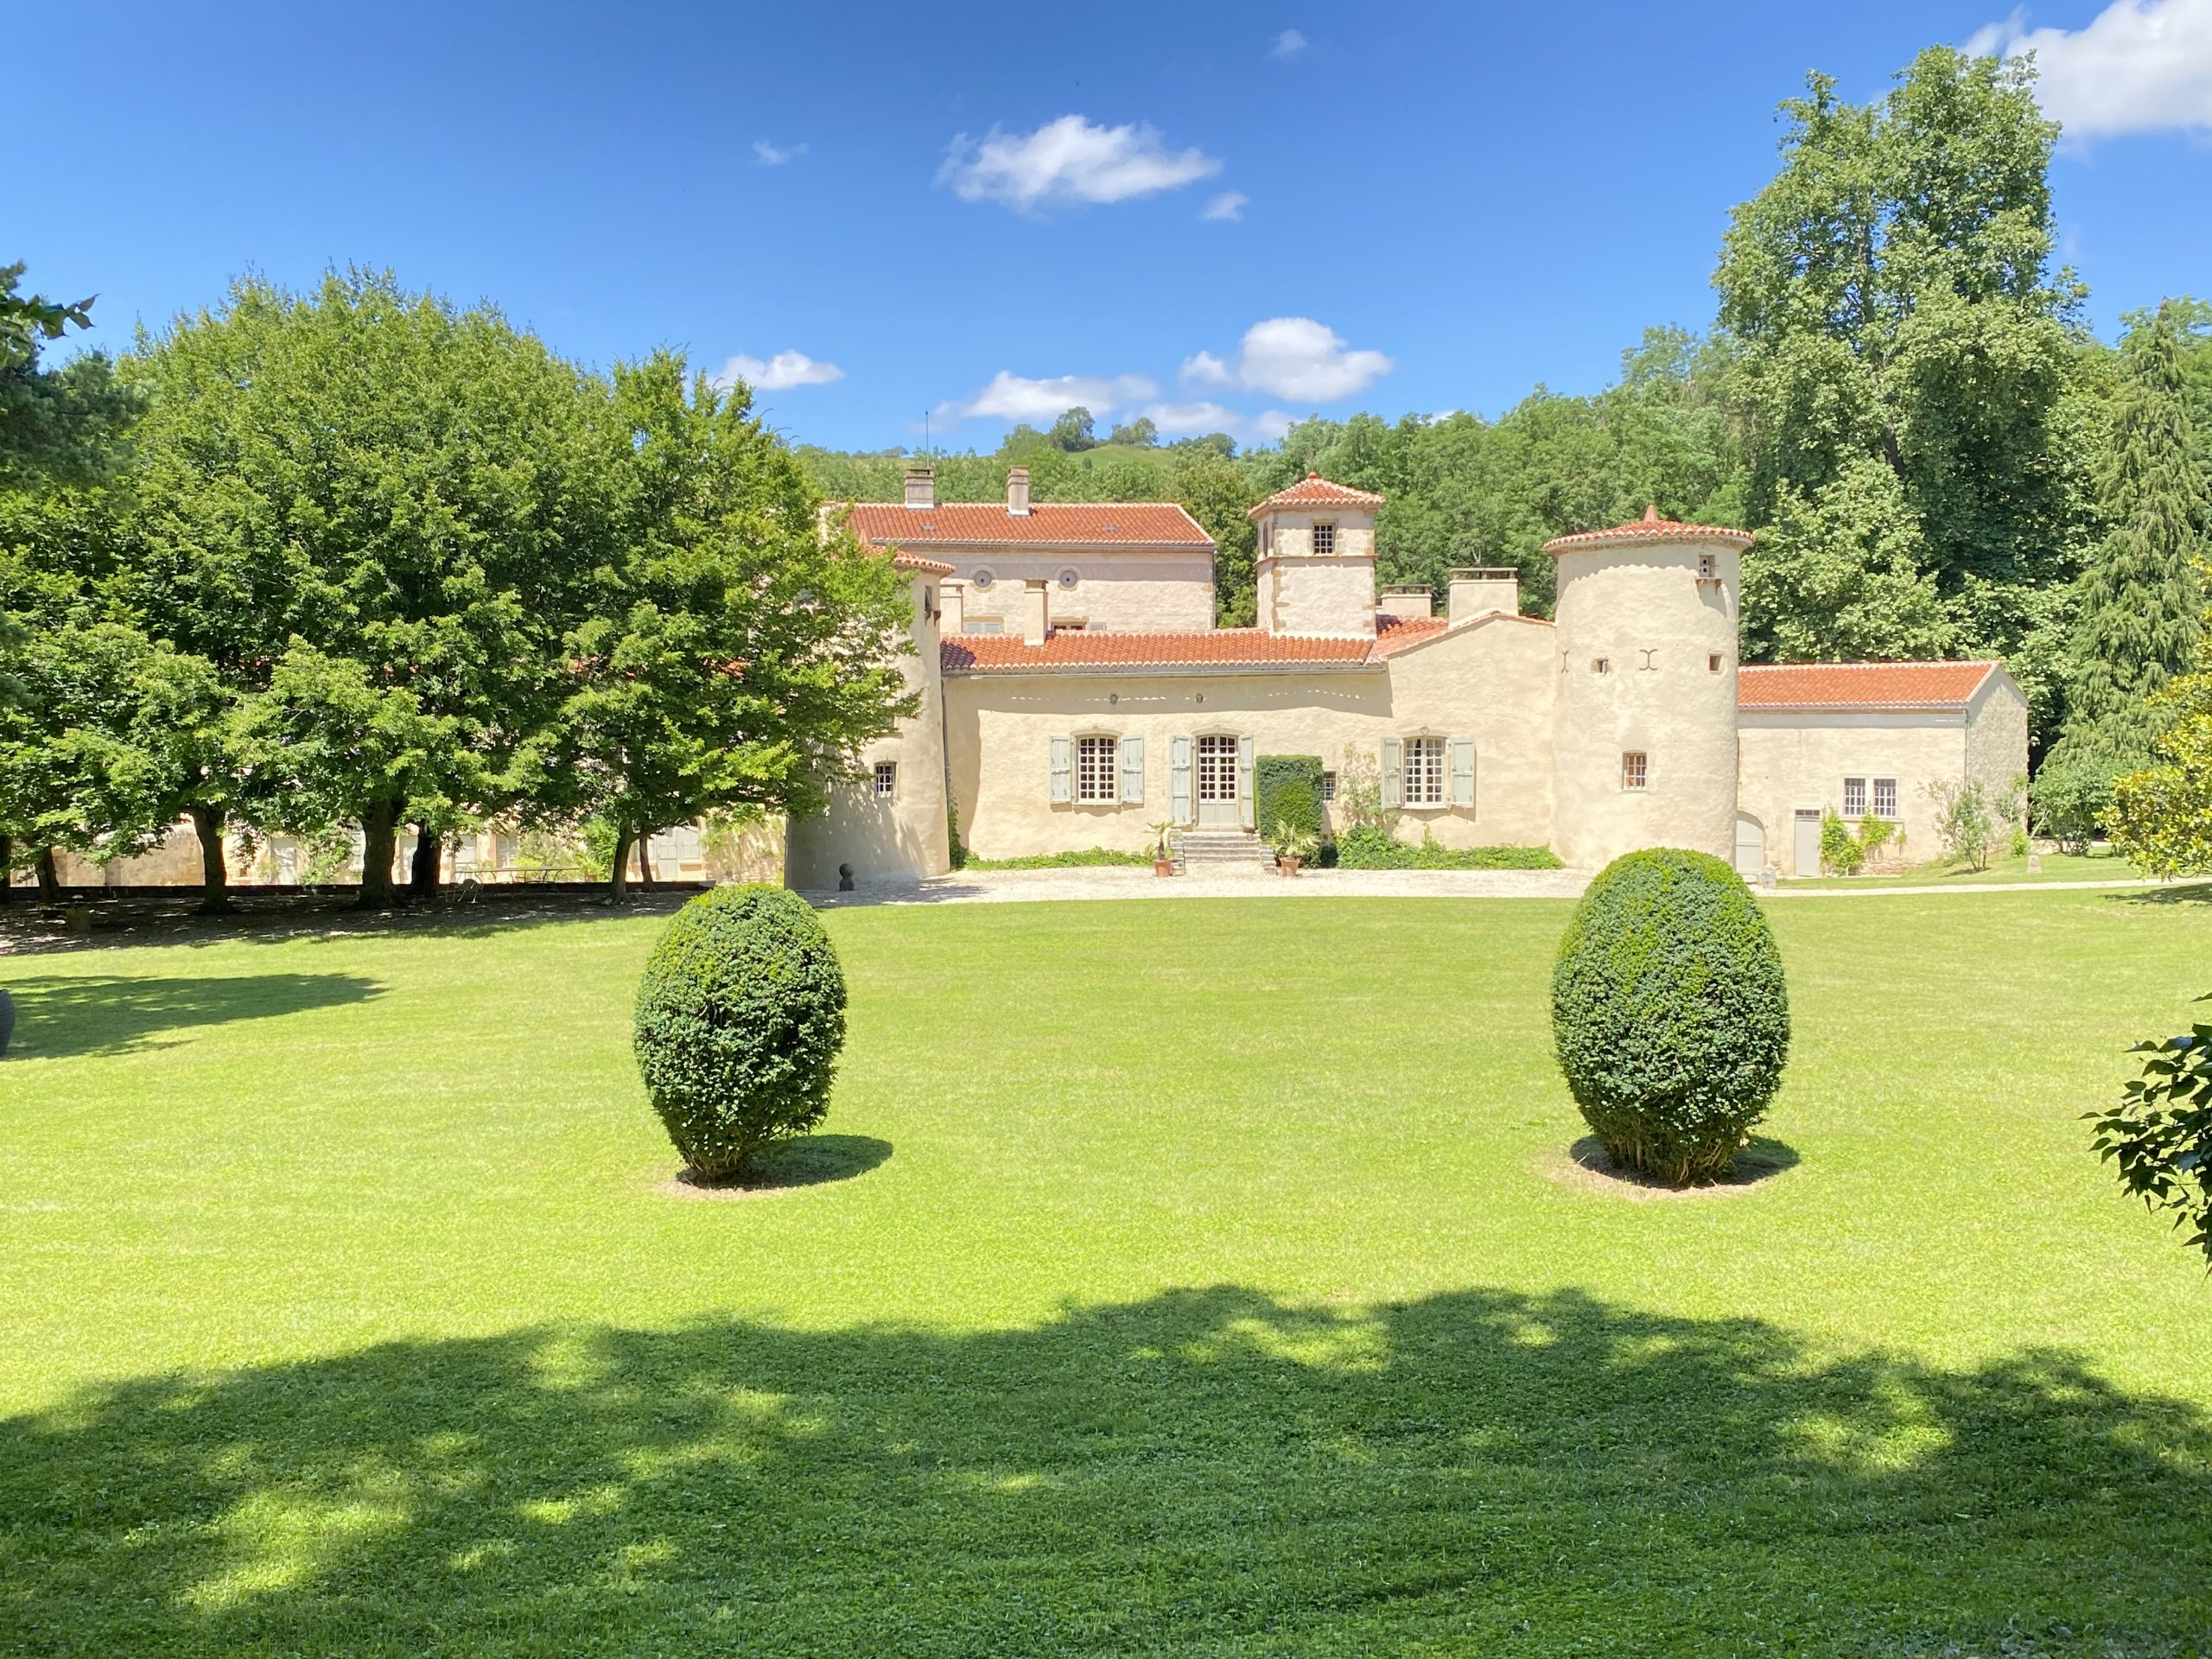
(1224, 1289)
(2101, 864)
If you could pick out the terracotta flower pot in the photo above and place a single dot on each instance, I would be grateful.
(1287, 866)
(1163, 867)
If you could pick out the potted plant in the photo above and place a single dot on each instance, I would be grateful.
(1293, 847)
(1163, 859)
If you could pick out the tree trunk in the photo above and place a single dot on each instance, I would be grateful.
(214, 876)
(429, 859)
(380, 835)
(49, 877)
(7, 867)
(645, 861)
(618, 887)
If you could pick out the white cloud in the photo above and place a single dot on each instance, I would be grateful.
(776, 154)
(1230, 204)
(1270, 425)
(780, 373)
(1015, 397)
(1287, 45)
(1181, 420)
(1299, 358)
(1068, 160)
(2138, 65)
(1205, 369)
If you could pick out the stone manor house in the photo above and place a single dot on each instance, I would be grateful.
(1076, 691)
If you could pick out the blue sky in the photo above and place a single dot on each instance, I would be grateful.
(1269, 209)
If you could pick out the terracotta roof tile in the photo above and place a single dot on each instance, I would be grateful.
(1082, 649)
(1395, 633)
(1650, 528)
(1049, 523)
(1315, 491)
(903, 560)
(1861, 685)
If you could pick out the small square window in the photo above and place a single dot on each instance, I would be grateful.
(1885, 797)
(1324, 539)
(886, 780)
(1633, 772)
(985, 624)
(1704, 567)
(1095, 777)
(1713, 662)
(1601, 664)
(1328, 787)
(1854, 797)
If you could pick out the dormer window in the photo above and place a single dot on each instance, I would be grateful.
(1325, 540)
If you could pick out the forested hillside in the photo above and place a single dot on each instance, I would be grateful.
(1897, 390)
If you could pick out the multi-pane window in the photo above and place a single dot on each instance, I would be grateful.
(1324, 538)
(1424, 771)
(1854, 797)
(1633, 772)
(886, 779)
(1095, 777)
(1885, 797)
(1328, 785)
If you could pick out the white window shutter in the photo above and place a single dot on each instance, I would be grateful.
(1133, 770)
(1061, 792)
(1178, 778)
(1246, 806)
(1463, 771)
(1394, 781)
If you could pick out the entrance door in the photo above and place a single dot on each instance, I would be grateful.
(1809, 841)
(1218, 783)
(1751, 847)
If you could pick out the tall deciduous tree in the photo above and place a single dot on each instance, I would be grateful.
(1891, 297)
(2142, 597)
(734, 651)
(374, 511)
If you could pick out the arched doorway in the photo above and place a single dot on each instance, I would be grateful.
(1751, 847)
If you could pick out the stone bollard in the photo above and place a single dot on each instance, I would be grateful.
(844, 878)
(77, 919)
(2035, 863)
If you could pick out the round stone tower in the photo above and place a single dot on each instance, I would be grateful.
(1644, 735)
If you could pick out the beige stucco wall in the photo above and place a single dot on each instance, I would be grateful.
(1300, 592)
(905, 836)
(1643, 610)
(1489, 682)
(1997, 739)
(1125, 590)
(1792, 761)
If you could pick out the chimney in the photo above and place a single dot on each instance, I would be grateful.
(1483, 593)
(1036, 611)
(921, 487)
(952, 606)
(1017, 492)
(1410, 599)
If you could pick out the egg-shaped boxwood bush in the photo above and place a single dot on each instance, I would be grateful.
(740, 1014)
(1670, 1013)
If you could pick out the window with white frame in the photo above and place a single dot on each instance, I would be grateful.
(1854, 797)
(985, 624)
(1324, 539)
(1634, 770)
(1097, 779)
(1328, 787)
(886, 780)
(1424, 771)
(1885, 797)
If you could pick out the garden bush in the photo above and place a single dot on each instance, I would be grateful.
(1372, 847)
(740, 1017)
(1287, 788)
(1670, 1013)
(2160, 1133)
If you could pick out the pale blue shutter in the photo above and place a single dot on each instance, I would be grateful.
(1394, 784)
(1061, 792)
(1246, 806)
(1463, 771)
(1133, 770)
(1178, 778)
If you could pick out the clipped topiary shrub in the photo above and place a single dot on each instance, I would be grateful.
(740, 1014)
(1670, 1013)
(1286, 789)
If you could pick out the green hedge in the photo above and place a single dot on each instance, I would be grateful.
(1090, 857)
(739, 1018)
(1286, 789)
(1373, 847)
(1670, 1013)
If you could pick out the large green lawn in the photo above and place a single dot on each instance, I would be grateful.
(1205, 1277)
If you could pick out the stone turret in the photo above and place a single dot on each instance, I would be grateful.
(1315, 565)
(1645, 717)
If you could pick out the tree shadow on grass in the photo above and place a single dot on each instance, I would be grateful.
(804, 1160)
(63, 1015)
(2180, 893)
(1205, 1470)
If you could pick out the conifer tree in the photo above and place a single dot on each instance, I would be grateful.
(2143, 596)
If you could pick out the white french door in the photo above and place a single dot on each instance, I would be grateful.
(1218, 783)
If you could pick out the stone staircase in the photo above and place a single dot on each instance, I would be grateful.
(1210, 852)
